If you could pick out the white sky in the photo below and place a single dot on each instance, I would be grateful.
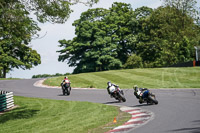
(48, 45)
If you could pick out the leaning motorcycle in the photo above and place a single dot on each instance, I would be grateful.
(117, 93)
(148, 97)
(66, 88)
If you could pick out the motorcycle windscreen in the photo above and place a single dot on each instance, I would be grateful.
(67, 81)
(112, 89)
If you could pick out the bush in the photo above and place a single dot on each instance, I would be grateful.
(133, 61)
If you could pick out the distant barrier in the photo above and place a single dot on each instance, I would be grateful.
(187, 64)
(6, 100)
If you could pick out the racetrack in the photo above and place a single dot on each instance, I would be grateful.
(178, 110)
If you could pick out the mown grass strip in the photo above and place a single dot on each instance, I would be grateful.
(50, 116)
(188, 77)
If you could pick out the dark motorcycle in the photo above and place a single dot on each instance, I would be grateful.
(116, 92)
(66, 88)
(148, 97)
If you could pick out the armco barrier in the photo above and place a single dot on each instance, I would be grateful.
(6, 100)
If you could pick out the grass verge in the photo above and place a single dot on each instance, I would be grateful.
(9, 78)
(188, 77)
(50, 116)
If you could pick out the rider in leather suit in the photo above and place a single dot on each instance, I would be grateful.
(139, 93)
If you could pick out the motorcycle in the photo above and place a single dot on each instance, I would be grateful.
(116, 92)
(147, 97)
(66, 88)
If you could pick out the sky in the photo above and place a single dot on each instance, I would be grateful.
(50, 34)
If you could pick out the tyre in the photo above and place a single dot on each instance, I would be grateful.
(63, 91)
(153, 100)
(122, 98)
(68, 91)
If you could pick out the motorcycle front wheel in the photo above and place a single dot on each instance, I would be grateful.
(122, 97)
(68, 91)
(153, 100)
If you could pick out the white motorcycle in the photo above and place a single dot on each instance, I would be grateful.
(116, 92)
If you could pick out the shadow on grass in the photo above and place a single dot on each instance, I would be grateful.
(18, 113)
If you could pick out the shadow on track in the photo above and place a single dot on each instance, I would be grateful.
(141, 105)
(62, 95)
(189, 130)
(112, 102)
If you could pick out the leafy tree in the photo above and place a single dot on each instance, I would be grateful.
(100, 42)
(185, 7)
(17, 29)
(55, 11)
(15, 34)
(185, 50)
(166, 31)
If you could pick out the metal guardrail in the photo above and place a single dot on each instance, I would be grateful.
(6, 100)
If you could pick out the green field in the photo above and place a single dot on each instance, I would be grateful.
(9, 78)
(56, 116)
(188, 77)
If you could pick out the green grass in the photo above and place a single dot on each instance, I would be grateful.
(57, 116)
(188, 77)
(9, 78)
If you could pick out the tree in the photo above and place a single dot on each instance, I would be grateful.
(166, 33)
(185, 50)
(186, 7)
(17, 29)
(15, 34)
(56, 11)
(100, 43)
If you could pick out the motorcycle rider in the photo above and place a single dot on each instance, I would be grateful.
(111, 84)
(65, 78)
(140, 93)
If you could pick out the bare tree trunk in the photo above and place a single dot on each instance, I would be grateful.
(4, 72)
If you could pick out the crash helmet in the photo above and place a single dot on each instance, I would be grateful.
(65, 77)
(135, 87)
(109, 83)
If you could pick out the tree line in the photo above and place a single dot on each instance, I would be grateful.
(120, 37)
(49, 75)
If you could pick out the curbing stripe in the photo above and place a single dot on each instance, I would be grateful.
(134, 122)
(141, 114)
(119, 130)
(137, 113)
(132, 110)
(144, 116)
(139, 117)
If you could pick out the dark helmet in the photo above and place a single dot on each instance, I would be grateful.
(135, 87)
(109, 83)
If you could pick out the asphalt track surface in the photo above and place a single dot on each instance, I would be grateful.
(178, 110)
